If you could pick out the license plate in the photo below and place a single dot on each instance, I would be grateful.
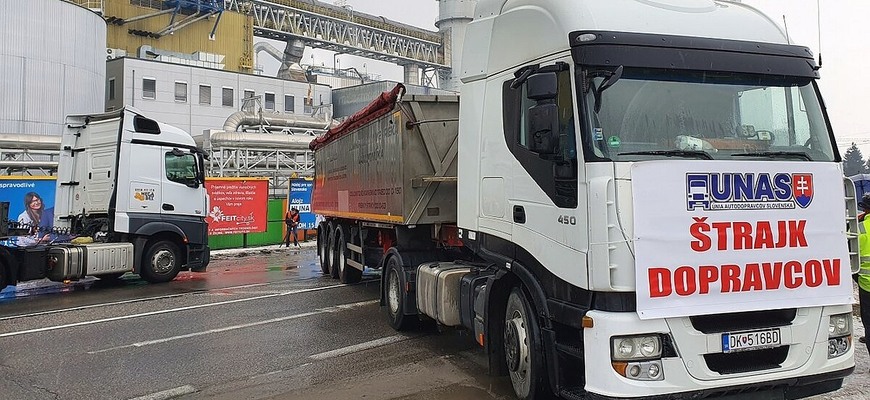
(742, 341)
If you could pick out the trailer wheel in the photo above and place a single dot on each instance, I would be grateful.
(340, 250)
(348, 274)
(330, 251)
(161, 263)
(394, 294)
(523, 354)
(323, 246)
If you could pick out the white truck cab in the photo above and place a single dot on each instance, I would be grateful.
(124, 177)
(639, 199)
(657, 179)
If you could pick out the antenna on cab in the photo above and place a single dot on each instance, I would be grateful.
(819, 23)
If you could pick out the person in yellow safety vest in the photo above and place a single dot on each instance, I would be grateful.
(863, 275)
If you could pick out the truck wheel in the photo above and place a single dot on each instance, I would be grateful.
(395, 296)
(347, 273)
(161, 263)
(523, 353)
(322, 246)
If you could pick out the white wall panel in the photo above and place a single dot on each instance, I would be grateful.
(52, 55)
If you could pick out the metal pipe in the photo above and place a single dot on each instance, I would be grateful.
(243, 118)
(275, 141)
(287, 58)
(141, 17)
(29, 164)
(184, 23)
(29, 142)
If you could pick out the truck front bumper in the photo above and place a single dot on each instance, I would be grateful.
(805, 371)
(795, 388)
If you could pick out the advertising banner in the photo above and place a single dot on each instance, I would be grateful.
(31, 199)
(716, 237)
(300, 197)
(237, 205)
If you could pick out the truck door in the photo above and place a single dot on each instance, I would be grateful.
(545, 199)
(182, 192)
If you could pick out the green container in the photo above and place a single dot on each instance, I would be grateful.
(274, 231)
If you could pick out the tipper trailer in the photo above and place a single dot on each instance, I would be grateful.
(633, 199)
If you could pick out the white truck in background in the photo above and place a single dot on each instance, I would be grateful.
(135, 187)
(630, 199)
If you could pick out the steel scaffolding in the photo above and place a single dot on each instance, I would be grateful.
(344, 32)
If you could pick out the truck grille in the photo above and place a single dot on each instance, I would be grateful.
(743, 321)
(746, 361)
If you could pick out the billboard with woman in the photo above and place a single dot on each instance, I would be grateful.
(31, 200)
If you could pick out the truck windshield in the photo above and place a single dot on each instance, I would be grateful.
(654, 114)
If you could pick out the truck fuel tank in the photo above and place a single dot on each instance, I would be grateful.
(108, 258)
(66, 263)
(72, 262)
(438, 291)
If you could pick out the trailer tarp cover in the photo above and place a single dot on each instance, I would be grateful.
(382, 105)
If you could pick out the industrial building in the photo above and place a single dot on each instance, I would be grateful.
(196, 98)
(193, 64)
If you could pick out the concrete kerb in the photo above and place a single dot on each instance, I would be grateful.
(273, 248)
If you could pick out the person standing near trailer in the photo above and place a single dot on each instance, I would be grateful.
(291, 219)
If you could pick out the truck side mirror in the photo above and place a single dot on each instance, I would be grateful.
(200, 157)
(543, 86)
(543, 118)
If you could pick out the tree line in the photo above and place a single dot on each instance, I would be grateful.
(854, 163)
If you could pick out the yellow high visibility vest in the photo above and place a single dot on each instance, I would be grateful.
(864, 250)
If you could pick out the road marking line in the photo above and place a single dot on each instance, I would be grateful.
(115, 303)
(171, 310)
(360, 347)
(168, 394)
(241, 326)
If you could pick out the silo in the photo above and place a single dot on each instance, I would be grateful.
(453, 18)
(52, 63)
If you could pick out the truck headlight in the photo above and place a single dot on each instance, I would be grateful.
(840, 325)
(839, 335)
(628, 348)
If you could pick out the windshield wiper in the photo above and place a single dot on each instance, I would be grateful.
(671, 153)
(776, 154)
(610, 80)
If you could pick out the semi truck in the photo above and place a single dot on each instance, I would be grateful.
(129, 198)
(627, 199)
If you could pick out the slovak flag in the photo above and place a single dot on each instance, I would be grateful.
(802, 187)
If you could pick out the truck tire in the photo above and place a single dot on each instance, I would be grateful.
(347, 273)
(394, 297)
(161, 262)
(522, 350)
(322, 246)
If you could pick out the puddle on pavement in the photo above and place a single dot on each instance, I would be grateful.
(281, 268)
(43, 287)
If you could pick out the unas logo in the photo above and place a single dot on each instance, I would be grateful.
(749, 191)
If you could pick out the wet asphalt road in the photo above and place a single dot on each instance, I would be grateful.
(257, 326)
